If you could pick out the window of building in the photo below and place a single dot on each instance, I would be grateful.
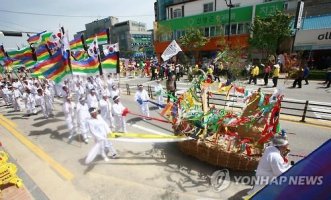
(226, 30)
(233, 29)
(236, 5)
(219, 30)
(178, 34)
(212, 31)
(206, 32)
(208, 7)
(178, 13)
(241, 29)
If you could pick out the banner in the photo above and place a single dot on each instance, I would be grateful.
(171, 50)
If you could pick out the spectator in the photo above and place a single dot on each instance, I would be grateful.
(275, 75)
(267, 70)
(306, 74)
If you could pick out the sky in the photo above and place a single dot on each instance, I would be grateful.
(87, 10)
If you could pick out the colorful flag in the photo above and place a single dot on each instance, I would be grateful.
(102, 37)
(79, 55)
(29, 63)
(43, 66)
(76, 44)
(42, 53)
(89, 66)
(21, 54)
(2, 53)
(55, 68)
(110, 63)
(109, 48)
(35, 38)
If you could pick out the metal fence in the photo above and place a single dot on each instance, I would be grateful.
(297, 108)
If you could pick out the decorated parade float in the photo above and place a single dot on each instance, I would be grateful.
(225, 137)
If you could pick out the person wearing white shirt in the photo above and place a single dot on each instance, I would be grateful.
(119, 118)
(69, 115)
(114, 91)
(272, 163)
(16, 96)
(83, 116)
(158, 88)
(99, 130)
(110, 82)
(142, 98)
(105, 110)
(30, 102)
(92, 99)
(79, 91)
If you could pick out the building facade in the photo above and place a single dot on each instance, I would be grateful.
(212, 18)
(133, 38)
(100, 25)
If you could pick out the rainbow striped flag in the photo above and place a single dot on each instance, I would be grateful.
(89, 66)
(2, 53)
(35, 38)
(79, 55)
(55, 68)
(29, 63)
(76, 44)
(102, 38)
(109, 63)
(21, 54)
(42, 53)
(43, 66)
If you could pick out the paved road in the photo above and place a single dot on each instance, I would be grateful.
(143, 171)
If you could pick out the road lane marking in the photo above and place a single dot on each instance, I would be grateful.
(11, 123)
(66, 174)
(148, 130)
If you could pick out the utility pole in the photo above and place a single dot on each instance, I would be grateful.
(229, 5)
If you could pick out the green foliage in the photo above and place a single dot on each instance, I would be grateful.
(193, 39)
(269, 32)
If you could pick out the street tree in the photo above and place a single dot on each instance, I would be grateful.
(192, 41)
(269, 32)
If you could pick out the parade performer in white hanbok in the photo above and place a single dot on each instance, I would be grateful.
(105, 110)
(30, 102)
(83, 116)
(142, 98)
(92, 99)
(119, 116)
(99, 130)
(69, 115)
(159, 93)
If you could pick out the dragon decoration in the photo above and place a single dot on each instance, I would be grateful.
(240, 131)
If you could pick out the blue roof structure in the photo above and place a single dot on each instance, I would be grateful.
(317, 22)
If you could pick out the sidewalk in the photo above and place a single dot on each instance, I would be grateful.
(40, 181)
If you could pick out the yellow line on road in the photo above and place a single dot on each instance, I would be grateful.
(66, 174)
(11, 123)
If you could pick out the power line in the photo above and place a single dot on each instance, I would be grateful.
(57, 15)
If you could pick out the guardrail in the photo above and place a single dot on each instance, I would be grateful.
(297, 108)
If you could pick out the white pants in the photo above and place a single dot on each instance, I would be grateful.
(100, 148)
(83, 128)
(144, 108)
(16, 104)
(120, 124)
(160, 100)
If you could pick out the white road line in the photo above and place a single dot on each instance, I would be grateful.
(149, 130)
(321, 109)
